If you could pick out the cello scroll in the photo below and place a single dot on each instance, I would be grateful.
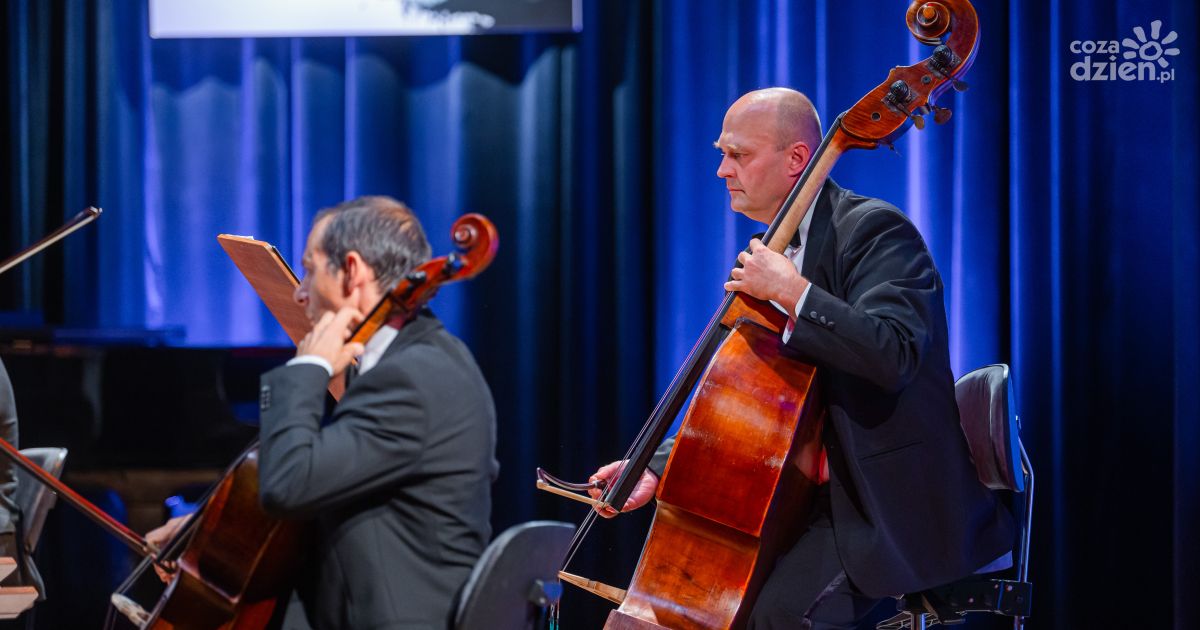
(476, 239)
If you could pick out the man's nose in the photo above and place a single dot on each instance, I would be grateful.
(300, 295)
(724, 169)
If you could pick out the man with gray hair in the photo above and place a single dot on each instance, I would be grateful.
(396, 480)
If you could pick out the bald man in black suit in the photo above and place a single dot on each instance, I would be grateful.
(903, 509)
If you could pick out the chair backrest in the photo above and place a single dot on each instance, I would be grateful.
(497, 594)
(988, 412)
(33, 497)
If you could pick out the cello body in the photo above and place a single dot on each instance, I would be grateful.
(239, 566)
(748, 458)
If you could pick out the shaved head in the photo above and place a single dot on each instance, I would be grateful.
(796, 119)
(767, 138)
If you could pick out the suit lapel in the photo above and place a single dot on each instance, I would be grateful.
(821, 239)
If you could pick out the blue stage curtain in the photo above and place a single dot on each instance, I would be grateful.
(1062, 214)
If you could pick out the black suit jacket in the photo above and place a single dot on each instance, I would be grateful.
(398, 482)
(908, 509)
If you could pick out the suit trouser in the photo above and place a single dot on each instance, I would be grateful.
(808, 587)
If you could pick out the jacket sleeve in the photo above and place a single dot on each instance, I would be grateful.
(658, 463)
(373, 441)
(882, 328)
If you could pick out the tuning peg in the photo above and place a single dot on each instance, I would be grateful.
(919, 121)
(940, 114)
(942, 61)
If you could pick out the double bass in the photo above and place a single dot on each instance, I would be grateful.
(746, 461)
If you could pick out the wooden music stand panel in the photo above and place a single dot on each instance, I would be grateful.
(275, 283)
(272, 279)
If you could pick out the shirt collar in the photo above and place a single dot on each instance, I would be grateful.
(801, 235)
(373, 349)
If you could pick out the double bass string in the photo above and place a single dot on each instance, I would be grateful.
(655, 424)
(641, 441)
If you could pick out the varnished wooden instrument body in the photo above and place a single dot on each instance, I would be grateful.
(239, 566)
(750, 443)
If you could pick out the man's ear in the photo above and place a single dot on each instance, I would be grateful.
(798, 155)
(355, 269)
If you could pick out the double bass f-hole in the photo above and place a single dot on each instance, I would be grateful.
(746, 330)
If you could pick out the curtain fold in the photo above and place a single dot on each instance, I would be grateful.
(1062, 214)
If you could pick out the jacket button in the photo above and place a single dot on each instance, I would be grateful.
(822, 319)
(813, 314)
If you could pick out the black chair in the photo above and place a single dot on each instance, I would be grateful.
(33, 497)
(516, 579)
(34, 500)
(988, 412)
